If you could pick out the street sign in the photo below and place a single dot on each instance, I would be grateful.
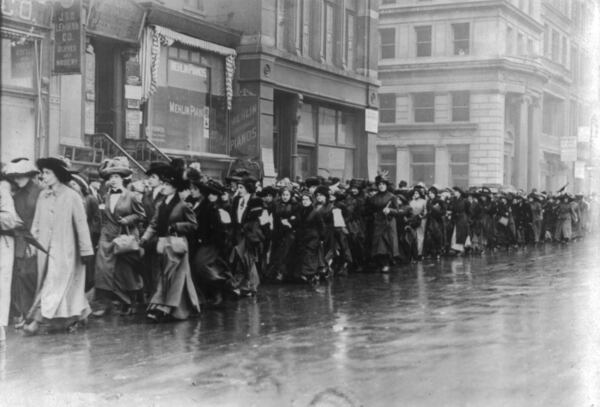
(584, 134)
(68, 37)
(371, 120)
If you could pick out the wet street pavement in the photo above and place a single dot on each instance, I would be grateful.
(499, 330)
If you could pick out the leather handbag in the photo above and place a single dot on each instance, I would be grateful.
(126, 243)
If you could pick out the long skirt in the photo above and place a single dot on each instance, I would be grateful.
(434, 237)
(24, 284)
(563, 229)
(118, 274)
(278, 268)
(7, 250)
(308, 257)
(175, 288)
(210, 272)
(244, 260)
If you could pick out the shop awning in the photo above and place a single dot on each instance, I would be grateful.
(155, 36)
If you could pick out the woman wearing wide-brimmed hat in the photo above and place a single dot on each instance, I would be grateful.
(208, 246)
(60, 226)
(117, 276)
(174, 222)
(22, 173)
(383, 207)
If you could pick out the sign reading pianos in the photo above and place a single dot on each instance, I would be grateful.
(245, 137)
(68, 37)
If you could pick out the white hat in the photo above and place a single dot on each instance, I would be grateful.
(21, 167)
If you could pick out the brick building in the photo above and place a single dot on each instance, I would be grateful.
(482, 92)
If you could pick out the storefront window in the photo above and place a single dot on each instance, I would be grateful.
(422, 164)
(18, 63)
(327, 126)
(187, 112)
(459, 165)
(338, 161)
(306, 129)
(18, 118)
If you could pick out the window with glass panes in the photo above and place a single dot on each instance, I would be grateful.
(387, 108)
(459, 165)
(461, 38)
(460, 106)
(423, 41)
(386, 159)
(424, 107)
(422, 164)
(336, 133)
(387, 43)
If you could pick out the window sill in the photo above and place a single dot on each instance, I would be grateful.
(429, 126)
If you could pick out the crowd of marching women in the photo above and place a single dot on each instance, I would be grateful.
(177, 241)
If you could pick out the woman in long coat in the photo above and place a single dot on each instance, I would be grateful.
(118, 275)
(460, 218)
(22, 173)
(434, 228)
(419, 211)
(383, 206)
(8, 222)
(310, 232)
(284, 222)
(210, 270)
(60, 226)
(175, 296)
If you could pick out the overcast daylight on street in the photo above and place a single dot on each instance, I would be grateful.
(333, 203)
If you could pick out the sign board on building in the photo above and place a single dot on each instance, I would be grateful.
(568, 149)
(371, 120)
(245, 138)
(584, 134)
(68, 37)
(579, 171)
(119, 19)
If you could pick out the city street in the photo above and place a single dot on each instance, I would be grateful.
(500, 330)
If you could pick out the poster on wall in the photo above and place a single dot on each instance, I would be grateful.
(245, 137)
(68, 37)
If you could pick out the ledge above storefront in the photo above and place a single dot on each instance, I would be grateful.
(194, 26)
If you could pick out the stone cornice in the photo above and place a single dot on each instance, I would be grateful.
(510, 64)
(307, 64)
(390, 127)
(467, 5)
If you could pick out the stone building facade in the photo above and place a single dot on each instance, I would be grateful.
(482, 92)
(311, 68)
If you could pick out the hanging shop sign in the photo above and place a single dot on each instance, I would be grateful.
(245, 138)
(68, 37)
(568, 148)
(371, 120)
(579, 170)
(26, 11)
(122, 20)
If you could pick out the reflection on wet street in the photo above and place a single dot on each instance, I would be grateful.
(499, 330)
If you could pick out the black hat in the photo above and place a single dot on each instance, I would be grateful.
(211, 187)
(381, 179)
(401, 195)
(268, 190)
(237, 175)
(156, 167)
(57, 166)
(323, 190)
(339, 195)
(249, 182)
(255, 204)
(312, 182)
